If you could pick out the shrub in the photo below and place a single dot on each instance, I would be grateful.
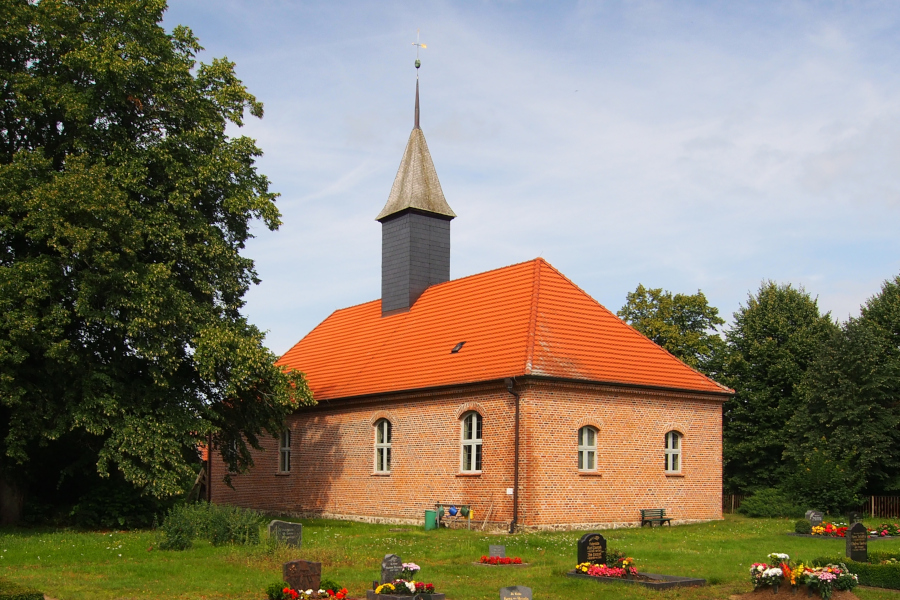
(216, 523)
(803, 526)
(328, 584)
(13, 591)
(770, 502)
(115, 504)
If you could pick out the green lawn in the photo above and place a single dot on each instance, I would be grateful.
(69, 565)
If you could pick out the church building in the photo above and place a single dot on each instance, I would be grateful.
(512, 392)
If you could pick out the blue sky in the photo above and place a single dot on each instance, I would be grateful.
(683, 145)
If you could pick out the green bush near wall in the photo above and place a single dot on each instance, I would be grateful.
(12, 591)
(872, 573)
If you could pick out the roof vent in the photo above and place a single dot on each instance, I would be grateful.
(457, 348)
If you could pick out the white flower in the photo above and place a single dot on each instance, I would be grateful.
(322, 592)
(773, 572)
(308, 592)
(410, 586)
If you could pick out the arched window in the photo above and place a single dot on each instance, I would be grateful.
(383, 446)
(471, 443)
(587, 449)
(284, 452)
(673, 452)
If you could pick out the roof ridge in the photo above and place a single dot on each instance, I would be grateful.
(532, 320)
(576, 286)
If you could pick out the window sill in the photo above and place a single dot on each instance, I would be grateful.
(590, 474)
(282, 473)
(381, 473)
(674, 474)
(469, 474)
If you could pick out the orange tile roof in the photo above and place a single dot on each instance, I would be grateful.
(525, 319)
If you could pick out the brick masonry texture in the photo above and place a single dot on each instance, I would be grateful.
(333, 457)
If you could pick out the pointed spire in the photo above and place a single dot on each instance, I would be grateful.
(416, 185)
(416, 126)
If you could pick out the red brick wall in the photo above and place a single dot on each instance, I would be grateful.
(333, 457)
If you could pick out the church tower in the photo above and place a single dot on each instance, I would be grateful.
(415, 227)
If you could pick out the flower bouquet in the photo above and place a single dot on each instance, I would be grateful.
(622, 567)
(831, 529)
(278, 591)
(405, 585)
(780, 571)
(500, 560)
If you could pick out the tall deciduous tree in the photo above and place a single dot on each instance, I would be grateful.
(772, 343)
(852, 393)
(682, 324)
(124, 208)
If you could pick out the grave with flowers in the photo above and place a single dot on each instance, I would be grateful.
(398, 582)
(303, 581)
(780, 572)
(596, 564)
(829, 529)
(496, 557)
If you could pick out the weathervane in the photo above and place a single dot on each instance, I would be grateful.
(418, 46)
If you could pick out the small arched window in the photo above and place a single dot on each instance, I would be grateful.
(383, 446)
(471, 443)
(587, 449)
(673, 452)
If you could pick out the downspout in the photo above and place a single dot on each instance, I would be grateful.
(209, 454)
(510, 382)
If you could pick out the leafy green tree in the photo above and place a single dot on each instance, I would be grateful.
(852, 396)
(684, 325)
(124, 208)
(772, 343)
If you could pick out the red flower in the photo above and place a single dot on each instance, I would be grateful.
(517, 561)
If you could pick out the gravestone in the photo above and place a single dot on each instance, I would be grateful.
(391, 567)
(497, 551)
(814, 517)
(857, 542)
(302, 574)
(287, 533)
(515, 592)
(854, 517)
(592, 549)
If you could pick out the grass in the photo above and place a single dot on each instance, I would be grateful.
(70, 565)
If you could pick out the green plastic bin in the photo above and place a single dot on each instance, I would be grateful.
(430, 519)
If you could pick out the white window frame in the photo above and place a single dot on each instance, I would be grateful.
(284, 452)
(587, 448)
(383, 435)
(674, 443)
(470, 442)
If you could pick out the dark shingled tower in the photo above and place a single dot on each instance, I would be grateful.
(415, 228)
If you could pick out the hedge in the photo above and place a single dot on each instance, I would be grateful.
(12, 591)
(871, 573)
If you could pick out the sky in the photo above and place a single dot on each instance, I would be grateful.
(683, 145)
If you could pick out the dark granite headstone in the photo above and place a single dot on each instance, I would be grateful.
(814, 517)
(854, 517)
(857, 542)
(592, 549)
(287, 533)
(391, 567)
(515, 592)
(302, 574)
(497, 551)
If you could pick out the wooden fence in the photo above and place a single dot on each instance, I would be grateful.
(883, 507)
(731, 502)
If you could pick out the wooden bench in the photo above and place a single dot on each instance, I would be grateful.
(654, 515)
